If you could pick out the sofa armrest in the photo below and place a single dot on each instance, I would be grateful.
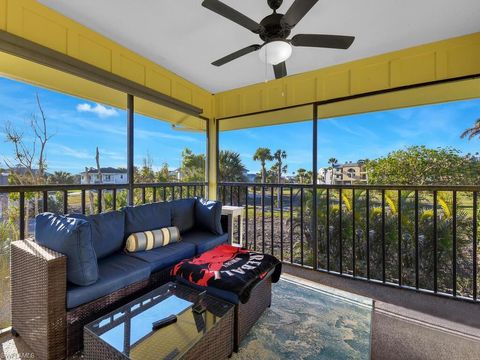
(38, 289)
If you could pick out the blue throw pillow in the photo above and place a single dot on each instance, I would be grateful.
(208, 215)
(147, 217)
(108, 231)
(183, 214)
(73, 238)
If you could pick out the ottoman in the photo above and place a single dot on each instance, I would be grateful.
(260, 271)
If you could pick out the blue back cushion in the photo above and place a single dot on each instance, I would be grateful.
(208, 215)
(108, 231)
(73, 238)
(183, 215)
(147, 217)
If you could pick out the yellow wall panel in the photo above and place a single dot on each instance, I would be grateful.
(276, 95)
(439, 93)
(336, 85)
(463, 60)
(425, 63)
(370, 78)
(219, 106)
(159, 82)
(232, 104)
(94, 54)
(202, 100)
(413, 69)
(42, 30)
(39, 75)
(3, 14)
(182, 92)
(283, 116)
(253, 100)
(131, 69)
(301, 90)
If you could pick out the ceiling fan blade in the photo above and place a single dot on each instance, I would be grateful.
(236, 55)
(280, 70)
(297, 11)
(233, 15)
(324, 41)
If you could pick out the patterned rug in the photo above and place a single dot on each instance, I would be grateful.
(309, 321)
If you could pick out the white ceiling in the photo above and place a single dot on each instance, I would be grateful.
(184, 37)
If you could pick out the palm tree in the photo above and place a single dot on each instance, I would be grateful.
(332, 161)
(61, 178)
(472, 132)
(263, 155)
(300, 177)
(279, 155)
(231, 167)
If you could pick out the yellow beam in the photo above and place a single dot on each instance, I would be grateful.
(447, 59)
(440, 93)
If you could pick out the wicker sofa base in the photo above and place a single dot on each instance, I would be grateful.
(78, 317)
(246, 315)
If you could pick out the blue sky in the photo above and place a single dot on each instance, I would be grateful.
(79, 126)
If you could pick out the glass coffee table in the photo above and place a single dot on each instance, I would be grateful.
(127, 332)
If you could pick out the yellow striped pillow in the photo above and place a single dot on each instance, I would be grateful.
(148, 240)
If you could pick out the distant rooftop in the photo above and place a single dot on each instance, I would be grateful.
(108, 170)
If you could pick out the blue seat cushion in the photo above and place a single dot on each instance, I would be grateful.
(73, 238)
(183, 214)
(115, 272)
(204, 240)
(165, 256)
(108, 231)
(208, 215)
(147, 217)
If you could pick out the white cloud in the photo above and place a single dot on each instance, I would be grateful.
(98, 109)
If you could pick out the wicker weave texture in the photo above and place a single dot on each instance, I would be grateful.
(80, 316)
(39, 314)
(246, 315)
(215, 344)
(38, 277)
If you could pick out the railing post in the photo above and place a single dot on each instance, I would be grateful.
(21, 221)
(130, 146)
(314, 188)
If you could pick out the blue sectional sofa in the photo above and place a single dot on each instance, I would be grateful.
(118, 269)
(94, 272)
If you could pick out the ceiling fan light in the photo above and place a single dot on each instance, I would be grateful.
(275, 52)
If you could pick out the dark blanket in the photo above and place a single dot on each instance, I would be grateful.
(229, 268)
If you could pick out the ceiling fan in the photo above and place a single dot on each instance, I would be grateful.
(274, 30)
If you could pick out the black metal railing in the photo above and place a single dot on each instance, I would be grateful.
(101, 197)
(417, 237)
(20, 204)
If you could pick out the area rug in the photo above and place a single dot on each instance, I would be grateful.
(310, 322)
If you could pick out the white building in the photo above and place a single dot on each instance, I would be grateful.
(344, 174)
(109, 176)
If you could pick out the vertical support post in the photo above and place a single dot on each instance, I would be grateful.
(435, 241)
(213, 134)
(130, 145)
(21, 221)
(314, 187)
(207, 162)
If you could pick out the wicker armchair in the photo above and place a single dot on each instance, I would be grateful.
(39, 313)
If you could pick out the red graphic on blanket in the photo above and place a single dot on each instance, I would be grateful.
(214, 260)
